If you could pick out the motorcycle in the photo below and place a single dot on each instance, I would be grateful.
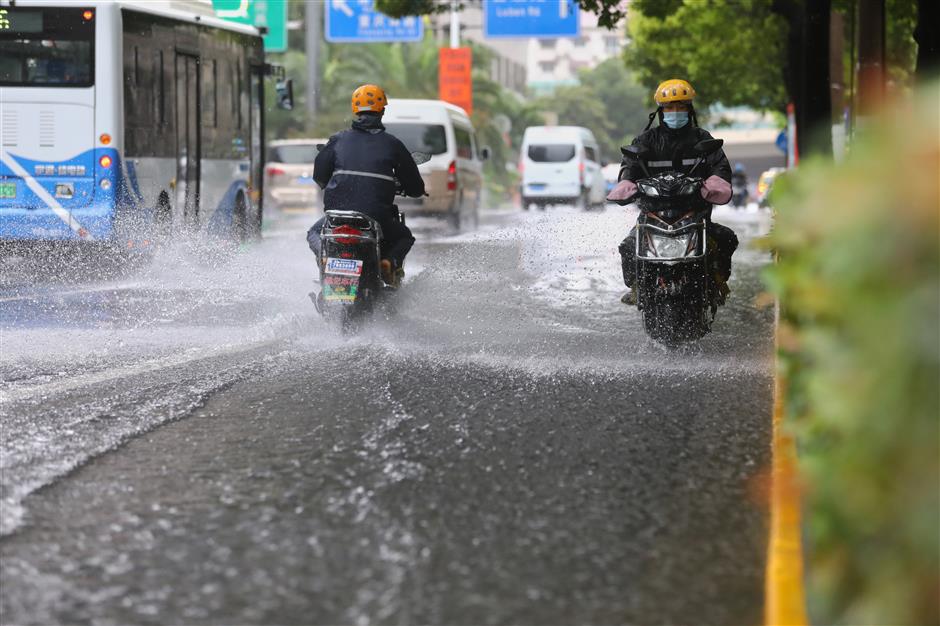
(350, 275)
(676, 293)
(739, 195)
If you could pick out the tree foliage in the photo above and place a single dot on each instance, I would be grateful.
(732, 51)
(858, 280)
(405, 70)
(607, 100)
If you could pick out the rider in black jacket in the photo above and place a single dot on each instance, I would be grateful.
(357, 171)
(671, 148)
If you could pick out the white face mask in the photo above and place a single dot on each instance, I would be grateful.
(675, 119)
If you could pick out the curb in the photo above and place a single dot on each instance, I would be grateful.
(784, 591)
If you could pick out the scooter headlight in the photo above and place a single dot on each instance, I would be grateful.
(670, 247)
(649, 190)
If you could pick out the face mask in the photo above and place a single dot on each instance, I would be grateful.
(675, 119)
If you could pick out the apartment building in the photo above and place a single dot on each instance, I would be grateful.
(537, 65)
(552, 63)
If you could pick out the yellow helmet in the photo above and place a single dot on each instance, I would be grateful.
(673, 90)
(369, 98)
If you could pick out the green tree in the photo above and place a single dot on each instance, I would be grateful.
(405, 70)
(732, 52)
(624, 102)
(607, 100)
(858, 281)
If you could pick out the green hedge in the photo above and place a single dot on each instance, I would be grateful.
(858, 280)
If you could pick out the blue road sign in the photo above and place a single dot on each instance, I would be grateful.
(357, 21)
(531, 18)
(782, 141)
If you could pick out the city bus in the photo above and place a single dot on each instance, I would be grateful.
(123, 122)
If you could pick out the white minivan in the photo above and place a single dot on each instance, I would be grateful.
(453, 177)
(561, 164)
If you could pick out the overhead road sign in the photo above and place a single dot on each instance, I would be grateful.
(265, 14)
(357, 21)
(531, 18)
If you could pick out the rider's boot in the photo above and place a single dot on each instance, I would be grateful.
(721, 283)
(390, 274)
(630, 297)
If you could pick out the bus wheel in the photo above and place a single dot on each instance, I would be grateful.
(163, 217)
(252, 221)
(240, 219)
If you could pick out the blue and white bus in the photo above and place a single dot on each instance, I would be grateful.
(122, 121)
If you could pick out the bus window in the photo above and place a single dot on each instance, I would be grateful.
(464, 145)
(46, 48)
(256, 131)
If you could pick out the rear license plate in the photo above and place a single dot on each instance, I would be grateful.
(7, 191)
(536, 185)
(343, 267)
(340, 288)
(304, 180)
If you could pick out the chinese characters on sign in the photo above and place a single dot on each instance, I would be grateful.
(455, 83)
(358, 21)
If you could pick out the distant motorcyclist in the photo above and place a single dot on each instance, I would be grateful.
(739, 185)
(671, 147)
(357, 170)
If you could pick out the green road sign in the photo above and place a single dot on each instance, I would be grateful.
(262, 13)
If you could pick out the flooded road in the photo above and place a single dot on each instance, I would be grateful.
(191, 444)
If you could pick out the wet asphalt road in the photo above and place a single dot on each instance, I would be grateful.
(191, 446)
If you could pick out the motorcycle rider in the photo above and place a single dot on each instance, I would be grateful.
(739, 184)
(671, 147)
(357, 170)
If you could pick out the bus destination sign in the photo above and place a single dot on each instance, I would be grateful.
(20, 21)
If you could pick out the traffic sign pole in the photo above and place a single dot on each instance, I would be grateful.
(312, 18)
(454, 25)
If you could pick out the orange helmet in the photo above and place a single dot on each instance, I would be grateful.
(673, 90)
(369, 98)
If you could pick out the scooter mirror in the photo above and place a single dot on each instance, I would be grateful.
(420, 157)
(707, 146)
(633, 151)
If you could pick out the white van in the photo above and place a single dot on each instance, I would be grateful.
(454, 175)
(561, 164)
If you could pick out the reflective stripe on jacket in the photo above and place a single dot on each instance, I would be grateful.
(358, 167)
(674, 150)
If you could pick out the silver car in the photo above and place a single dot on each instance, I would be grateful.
(288, 176)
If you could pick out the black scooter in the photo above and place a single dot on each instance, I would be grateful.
(350, 276)
(676, 291)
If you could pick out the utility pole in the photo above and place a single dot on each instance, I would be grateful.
(454, 25)
(314, 22)
(871, 56)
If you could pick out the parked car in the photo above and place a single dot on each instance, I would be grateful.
(453, 176)
(561, 164)
(766, 182)
(288, 175)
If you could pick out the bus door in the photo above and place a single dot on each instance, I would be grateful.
(256, 140)
(187, 138)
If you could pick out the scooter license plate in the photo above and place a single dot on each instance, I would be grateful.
(343, 267)
(340, 288)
